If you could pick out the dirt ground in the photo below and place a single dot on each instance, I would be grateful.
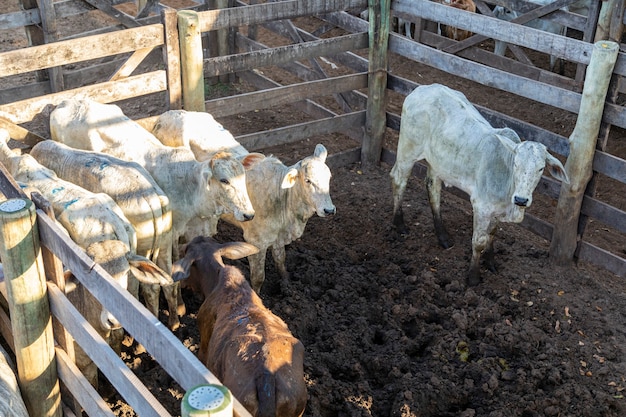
(390, 327)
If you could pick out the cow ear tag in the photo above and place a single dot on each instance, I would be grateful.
(207, 400)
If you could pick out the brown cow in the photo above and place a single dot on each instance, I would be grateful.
(247, 347)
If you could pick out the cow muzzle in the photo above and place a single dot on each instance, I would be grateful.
(327, 211)
(520, 201)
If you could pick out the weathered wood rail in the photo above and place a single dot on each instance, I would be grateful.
(122, 74)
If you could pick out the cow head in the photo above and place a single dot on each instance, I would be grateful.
(115, 258)
(227, 180)
(529, 161)
(207, 254)
(314, 177)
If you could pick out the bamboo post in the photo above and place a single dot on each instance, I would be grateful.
(582, 145)
(191, 60)
(31, 321)
(376, 119)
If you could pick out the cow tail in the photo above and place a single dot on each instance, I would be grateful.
(266, 391)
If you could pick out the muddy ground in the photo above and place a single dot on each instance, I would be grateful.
(389, 325)
(391, 329)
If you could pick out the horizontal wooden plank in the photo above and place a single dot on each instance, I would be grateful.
(166, 349)
(303, 72)
(603, 212)
(81, 389)
(16, 20)
(344, 158)
(20, 134)
(598, 256)
(109, 363)
(261, 13)
(175, 359)
(294, 133)
(55, 54)
(242, 103)
(543, 93)
(610, 165)
(537, 226)
(72, 79)
(490, 27)
(283, 54)
(508, 65)
(107, 92)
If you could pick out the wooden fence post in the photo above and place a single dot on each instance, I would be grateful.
(31, 322)
(582, 145)
(171, 57)
(376, 118)
(191, 60)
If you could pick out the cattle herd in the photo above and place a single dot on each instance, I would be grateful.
(145, 205)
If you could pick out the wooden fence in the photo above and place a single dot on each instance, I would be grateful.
(336, 104)
(57, 249)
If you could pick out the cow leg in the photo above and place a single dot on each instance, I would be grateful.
(257, 269)
(278, 252)
(399, 177)
(488, 253)
(433, 184)
(150, 293)
(172, 293)
(482, 241)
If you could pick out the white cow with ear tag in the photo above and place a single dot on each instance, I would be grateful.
(493, 166)
(284, 198)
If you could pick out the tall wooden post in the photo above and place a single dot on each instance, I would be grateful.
(582, 146)
(171, 57)
(31, 322)
(191, 60)
(376, 119)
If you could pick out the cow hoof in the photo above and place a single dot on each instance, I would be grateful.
(445, 242)
(173, 324)
(492, 267)
(401, 230)
(473, 279)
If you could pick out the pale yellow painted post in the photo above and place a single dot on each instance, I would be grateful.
(31, 322)
(191, 60)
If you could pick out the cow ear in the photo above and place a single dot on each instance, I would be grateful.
(207, 172)
(147, 272)
(320, 152)
(289, 180)
(507, 132)
(556, 169)
(251, 159)
(181, 268)
(237, 250)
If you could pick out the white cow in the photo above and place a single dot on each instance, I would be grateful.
(136, 193)
(198, 131)
(95, 223)
(506, 14)
(284, 198)
(496, 169)
(196, 189)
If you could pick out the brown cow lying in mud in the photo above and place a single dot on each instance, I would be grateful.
(245, 345)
